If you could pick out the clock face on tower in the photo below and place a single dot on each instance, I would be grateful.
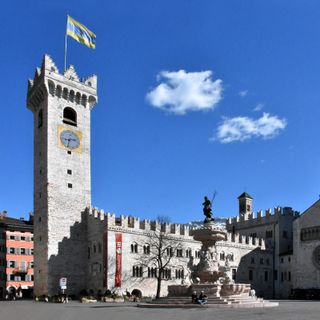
(69, 139)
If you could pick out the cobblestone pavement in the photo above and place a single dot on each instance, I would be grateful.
(29, 310)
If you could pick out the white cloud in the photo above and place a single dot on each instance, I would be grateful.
(244, 128)
(243, 93)
(181, 91)
(258, 107)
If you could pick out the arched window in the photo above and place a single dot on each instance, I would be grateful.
(58, 91)
(84, 100)
(134, 248)
(137, 271)
(179, 273)
(71, 96)
(179, 253)
(40, 118)
(146, 249)
(65, 93)
(51, 87)
(69, 116)
(78, 98)
(222, 255)
(170, 251)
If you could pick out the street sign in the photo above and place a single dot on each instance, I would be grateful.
(63, 283)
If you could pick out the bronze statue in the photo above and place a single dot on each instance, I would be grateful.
(207, 211)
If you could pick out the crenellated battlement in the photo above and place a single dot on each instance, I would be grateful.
(128, 223)
(246, 240)
(66, 85)
(261, 217)
(133, 223)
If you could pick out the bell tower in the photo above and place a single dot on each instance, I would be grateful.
(245, 204)
(61, 104)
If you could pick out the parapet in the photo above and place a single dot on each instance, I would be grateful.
(135, 224)
(246, 240)
(66, 85)
(260, 218)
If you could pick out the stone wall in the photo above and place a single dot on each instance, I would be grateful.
(137, 232)
(306, 266)
(59, 197)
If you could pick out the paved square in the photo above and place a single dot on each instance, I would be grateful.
(29, 310)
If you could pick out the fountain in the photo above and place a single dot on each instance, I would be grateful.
(209, 276)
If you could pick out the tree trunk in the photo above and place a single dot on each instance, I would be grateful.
(158, 287)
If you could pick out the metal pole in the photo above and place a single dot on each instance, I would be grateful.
(65, 48)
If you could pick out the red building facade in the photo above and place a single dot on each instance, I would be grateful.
(16, 257)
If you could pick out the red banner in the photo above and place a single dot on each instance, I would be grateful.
(117, 282)
(105, 259)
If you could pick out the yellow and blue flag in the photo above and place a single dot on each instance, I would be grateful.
(79, 32)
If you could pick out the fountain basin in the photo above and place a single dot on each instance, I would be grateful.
(209, 233)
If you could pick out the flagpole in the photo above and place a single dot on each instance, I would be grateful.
(65, 48)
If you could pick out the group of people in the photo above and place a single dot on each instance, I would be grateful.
(202, 299)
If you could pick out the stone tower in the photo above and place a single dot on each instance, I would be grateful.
(245, 203)
(61, 104)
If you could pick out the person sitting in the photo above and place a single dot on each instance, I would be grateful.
(203, 299)
(194, 297)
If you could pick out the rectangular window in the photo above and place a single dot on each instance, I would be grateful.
(179, 253)
(11, 277)
(11, 250)
(23, 266)
(69, 171)
(12, 264)
(23, 238)
(266, 276)
(269, 234)
(250, 275)
(289, 276)
(22, 251)
(275, 274)
(70, 185)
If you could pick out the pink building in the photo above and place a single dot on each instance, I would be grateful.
(16, 257)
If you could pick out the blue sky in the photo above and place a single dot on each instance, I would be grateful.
(194, 96)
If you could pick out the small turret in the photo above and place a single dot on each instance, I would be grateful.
(245, 204)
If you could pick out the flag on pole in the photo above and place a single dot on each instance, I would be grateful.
(79, 32)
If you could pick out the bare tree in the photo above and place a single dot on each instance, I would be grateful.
(158, 257)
